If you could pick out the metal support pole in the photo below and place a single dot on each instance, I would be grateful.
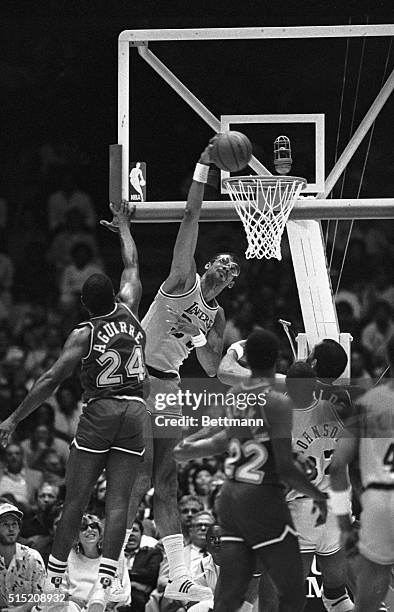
(358, 136)
(190, 99)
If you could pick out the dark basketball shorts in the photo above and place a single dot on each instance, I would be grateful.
(112, 424)
(256, 515)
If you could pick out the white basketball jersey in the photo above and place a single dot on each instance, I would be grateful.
(376, 446)
(166, 350)
(315, 435)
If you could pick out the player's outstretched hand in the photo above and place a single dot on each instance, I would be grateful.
(205, 157)
(320, 508)
(181, 324)
(6, 429)
(121, 211)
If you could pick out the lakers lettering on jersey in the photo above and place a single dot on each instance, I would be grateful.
(115, 364)
(250, 458)
(376, 445)
(166, 350)
(316, 429)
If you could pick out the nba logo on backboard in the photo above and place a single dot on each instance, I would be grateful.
(137, 181)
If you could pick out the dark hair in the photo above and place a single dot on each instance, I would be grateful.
(331, 359)
(140, 524)
(98, 294)
(300, 383)
(383, 305)
(390, 351)
(262, 349)
(201, 468)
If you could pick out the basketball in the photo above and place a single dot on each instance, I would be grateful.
(231, 151)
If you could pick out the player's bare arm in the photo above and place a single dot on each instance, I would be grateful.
(210, 354)
(230, 371)
(183, 268)
(130, 284)
(204, 447)
(279, 416)
(345, 453)
(76, 346)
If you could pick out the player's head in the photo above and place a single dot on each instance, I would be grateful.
(300, 383)
(222, 270)
(262, 350)
(390, 353)
(98, 294)
(328, 359)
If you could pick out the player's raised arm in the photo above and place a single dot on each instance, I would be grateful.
(130, 289)
(183, 268)
(76, 346)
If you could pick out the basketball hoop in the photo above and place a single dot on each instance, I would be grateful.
(264, 204)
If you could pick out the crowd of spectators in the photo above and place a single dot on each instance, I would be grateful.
(40, 282)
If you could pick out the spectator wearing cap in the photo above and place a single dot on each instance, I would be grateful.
(22, 570)
(21, 481)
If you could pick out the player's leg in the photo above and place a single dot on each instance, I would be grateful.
(165, 505)
(335, 595)
(283, 563)
(165, 482)
(236, 569)
(373, 581)
(121, 469)
(143, 479)
(307, 559)
(268, 595)
(83, 469)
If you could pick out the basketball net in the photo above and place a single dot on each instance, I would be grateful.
(264, 204)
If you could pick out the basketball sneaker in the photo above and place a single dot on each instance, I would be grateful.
(99, 595)
(342, 604)
(184, 589)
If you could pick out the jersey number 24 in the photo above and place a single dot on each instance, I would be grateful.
(111, 374)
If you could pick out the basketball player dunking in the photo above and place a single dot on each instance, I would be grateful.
(183, 316)
(110, 348)
(256, 522)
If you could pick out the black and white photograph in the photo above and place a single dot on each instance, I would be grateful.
(196, 306)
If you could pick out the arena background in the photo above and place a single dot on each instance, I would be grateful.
(58, 78)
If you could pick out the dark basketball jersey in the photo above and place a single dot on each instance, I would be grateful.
(115, 364)
(250, 457)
